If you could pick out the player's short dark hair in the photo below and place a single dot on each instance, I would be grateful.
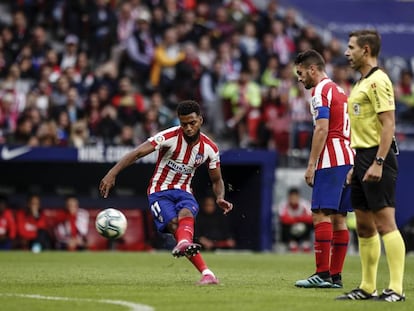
(310, 57)
(369, 37)
(187, 107)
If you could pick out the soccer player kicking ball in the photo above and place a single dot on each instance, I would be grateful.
(330, 161)
(181, 150)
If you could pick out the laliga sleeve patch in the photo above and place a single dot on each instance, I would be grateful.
(159, 139)
(322, 113)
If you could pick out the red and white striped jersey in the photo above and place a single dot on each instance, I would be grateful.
(337, 150)
(177, 161)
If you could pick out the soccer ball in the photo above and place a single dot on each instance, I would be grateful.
(111, 223)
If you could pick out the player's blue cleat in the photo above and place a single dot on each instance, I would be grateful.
(315, 281)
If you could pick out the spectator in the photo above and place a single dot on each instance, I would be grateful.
(126, 137)
(249, 43)
(211, 82)
(8, 55)
(206, 53)
(404, 95)
(41, 97)
(8, 113)
(230, 64)
(79, 135)
(73, 105)
(271, 72)
(275, 121)
(71, 231)
(102, 24)
(47, 134)
(188, 74)
(167, 54)
(213, 230)
(301, 120)
(31, 226)
(149, 125)
(93, 114)
(159, 23)
(69, 55)
(109, 125)
(63, 124)
(295, 218)
(59, 96)
(84, 77)
(20, 33)
(283, 45)
(7, 225)
(130, 104)
(166, 117)
(222, 26)
(39, 47)
(140, 47)
(245, 101)
(23, 134)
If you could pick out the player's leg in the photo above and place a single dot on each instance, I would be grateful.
(340, 241)
(322, 249)
(183, 229)
(368, 238)
(394, 250)
(387, 228)
(167, 218)
(323, 241)
(184, 233)
(322, 234)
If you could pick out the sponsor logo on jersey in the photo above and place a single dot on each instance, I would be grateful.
(180, 168)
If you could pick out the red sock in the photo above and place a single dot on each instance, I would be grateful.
(340, 242)
(322, 245)
(185, 230)
(198, 262)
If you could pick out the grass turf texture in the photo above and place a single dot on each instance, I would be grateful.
(248, 282)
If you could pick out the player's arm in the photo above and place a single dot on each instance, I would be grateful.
(219, 189)
(109, 180)
(320, 133)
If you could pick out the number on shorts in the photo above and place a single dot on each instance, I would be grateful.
(156, 211)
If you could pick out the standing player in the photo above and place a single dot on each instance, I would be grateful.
(181, 150)
(372, 114)
(330, 160)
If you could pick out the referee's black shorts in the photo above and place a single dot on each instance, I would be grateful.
(373, 196)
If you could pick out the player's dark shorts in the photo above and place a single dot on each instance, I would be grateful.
(373, 196)
(330, 190)
(166, 204)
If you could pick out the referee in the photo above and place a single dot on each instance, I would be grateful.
(371, 109)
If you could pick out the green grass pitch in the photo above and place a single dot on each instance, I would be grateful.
(133, 280)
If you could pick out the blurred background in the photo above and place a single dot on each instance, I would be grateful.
(84, 81)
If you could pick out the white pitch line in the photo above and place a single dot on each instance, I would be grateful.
(131, 305)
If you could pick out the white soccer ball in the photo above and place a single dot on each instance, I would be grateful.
(111, 223)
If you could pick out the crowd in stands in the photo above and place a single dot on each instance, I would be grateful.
(77, 73)
(29, 228)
